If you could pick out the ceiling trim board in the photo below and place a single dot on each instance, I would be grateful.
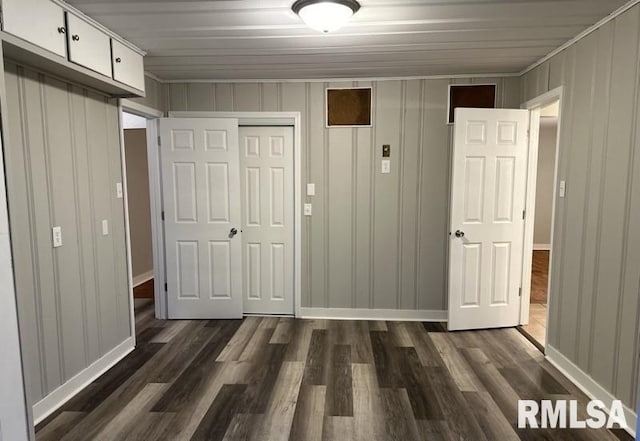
(340, 80)
(153, 77)
(582, 35)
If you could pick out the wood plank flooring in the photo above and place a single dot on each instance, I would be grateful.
(539, 276)
(144, 290)
(315, 380)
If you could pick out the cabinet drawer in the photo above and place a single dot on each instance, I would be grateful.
(127, 65)
(36, 21)
(88, 46)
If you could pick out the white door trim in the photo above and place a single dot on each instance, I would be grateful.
(154, 166)
(244, 118)
(127, 231)
(534, 106)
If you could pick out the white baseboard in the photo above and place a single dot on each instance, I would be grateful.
(588, 385)
(374, 314)
(141, 278)
(63, 393)
(541, 247)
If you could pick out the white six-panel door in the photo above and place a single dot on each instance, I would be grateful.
(201, 198)
(266, 170)
(487, 209)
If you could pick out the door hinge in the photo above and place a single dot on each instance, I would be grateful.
(524, 214)
(159, 141)
(519, 292)
(165, 286)
(162, 216)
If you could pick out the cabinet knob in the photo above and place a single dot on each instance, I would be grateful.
(118, 60)
(61, 30)
(75, 37)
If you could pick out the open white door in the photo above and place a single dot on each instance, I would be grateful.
(201, 196)
(487, 211)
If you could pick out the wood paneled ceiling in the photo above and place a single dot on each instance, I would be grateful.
(263, 39)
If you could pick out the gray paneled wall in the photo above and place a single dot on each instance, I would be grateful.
(63, 162)
(154, 95)
(596, 260)
(374, 240)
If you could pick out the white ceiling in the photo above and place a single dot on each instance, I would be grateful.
(262, 39)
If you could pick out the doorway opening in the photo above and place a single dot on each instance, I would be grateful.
(134, 129)
(538, 301)
(541, 198)
(134, 119)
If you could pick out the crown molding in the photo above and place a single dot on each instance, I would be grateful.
(333, 80)
(621, 10)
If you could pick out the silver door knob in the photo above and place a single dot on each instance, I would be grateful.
(459, 233)
(233, 232)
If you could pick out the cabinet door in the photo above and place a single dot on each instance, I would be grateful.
(40, 22)
(127, 65)
(89, 46)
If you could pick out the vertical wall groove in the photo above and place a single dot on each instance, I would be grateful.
(401, 147)
(56, 267)
(76, 198)
(94, 247)
(354, 212)
(44, 384)
(418, 232)
(585, 209)
(325, 168)
(372, 190)
(603, 168)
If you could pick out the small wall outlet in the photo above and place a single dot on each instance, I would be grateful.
(57, 236)
(386, 166)
(105, 227)
(119, 190)
(308, 209)
(311, 189)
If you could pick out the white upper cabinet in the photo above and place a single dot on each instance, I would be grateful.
(36, 21)
(127, 65)
(89, 46)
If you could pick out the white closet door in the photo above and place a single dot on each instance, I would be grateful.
(266, 166)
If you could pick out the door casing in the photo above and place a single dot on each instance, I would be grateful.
(155, 190)
(534, 107)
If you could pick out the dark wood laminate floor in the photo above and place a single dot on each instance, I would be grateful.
(539, 276)
(279, 379)
(144, 290)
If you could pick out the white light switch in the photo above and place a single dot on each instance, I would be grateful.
(562, 188)
(119, 190)
(311, 189)
(105, 227)
(307, 209)
(57, 237)
(386, 166)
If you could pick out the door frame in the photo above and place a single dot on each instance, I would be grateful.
(149, 113)
(244, 118)
(534, 106)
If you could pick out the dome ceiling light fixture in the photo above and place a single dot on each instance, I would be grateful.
(325, 15)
